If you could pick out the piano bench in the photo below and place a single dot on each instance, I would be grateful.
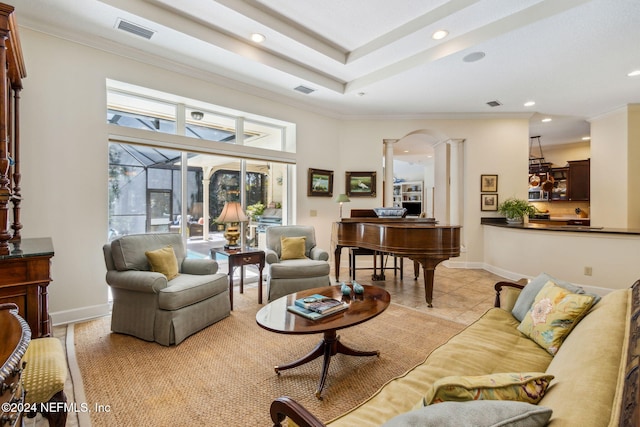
(354, 252)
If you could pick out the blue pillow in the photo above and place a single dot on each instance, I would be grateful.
(474, 413)
(528, 294)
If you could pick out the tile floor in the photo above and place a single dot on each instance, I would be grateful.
(459, 295)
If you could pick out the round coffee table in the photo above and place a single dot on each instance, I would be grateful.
(276, 318)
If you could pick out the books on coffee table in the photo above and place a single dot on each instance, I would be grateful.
(317, 306)
(318, 303)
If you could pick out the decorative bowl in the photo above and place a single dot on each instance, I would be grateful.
(390, 212)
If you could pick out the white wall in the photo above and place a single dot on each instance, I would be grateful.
(515, 253)
(64, 152)
(609, 185)
(559, 155)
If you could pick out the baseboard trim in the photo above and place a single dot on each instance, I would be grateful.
(80, 314)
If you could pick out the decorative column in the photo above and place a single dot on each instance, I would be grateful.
(388, 172)
(17, 176)
(5, 185)
(456, 179)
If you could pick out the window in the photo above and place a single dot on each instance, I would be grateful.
(162, 184)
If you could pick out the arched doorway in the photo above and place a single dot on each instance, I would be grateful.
(436, 160)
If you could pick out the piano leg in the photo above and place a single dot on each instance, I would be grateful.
(429, 266)
(336, 257)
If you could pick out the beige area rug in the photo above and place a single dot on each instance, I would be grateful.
(223, 375)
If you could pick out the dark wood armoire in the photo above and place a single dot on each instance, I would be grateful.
(11, 74)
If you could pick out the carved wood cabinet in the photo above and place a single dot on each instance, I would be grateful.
(12, 72)
(24, 279)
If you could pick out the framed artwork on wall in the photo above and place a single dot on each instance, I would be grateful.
(360, 184)
(319, 183)
(489, 202)
(488, 183)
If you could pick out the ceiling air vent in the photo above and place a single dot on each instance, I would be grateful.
(304, 89)
(136, 29)
(494, 103)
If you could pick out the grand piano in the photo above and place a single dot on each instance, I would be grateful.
(419, 239)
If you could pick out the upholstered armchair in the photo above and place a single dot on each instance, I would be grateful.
(295, 263)
(176, 298)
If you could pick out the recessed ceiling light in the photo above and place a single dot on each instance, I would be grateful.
(634, 73)
(440, 34)
(546, 120)
(473, 57)
(406, 151)
(258, 38)
(530, 103)
(586, 138)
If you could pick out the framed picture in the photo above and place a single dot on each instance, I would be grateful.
(361, 184)
(488, 183)
(489, 202)
(320, 183)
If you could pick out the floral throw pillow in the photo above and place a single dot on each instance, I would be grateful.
(523, 387)
(555, 311)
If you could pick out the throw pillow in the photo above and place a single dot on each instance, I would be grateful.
(523, 387)
(528, 294)
(292, 247)
(554, 313)
(476, 413)
(163, 261)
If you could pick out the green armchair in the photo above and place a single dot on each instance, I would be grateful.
(287, 276)
(147, 305)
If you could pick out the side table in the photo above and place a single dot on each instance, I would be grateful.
(240, 258)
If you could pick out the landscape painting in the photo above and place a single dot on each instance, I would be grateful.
(320, 183)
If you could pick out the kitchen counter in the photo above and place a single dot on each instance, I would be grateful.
(548, 225)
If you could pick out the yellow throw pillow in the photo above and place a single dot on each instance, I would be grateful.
(163, 261)
(554, 313)
(292, 247)
(523, 387)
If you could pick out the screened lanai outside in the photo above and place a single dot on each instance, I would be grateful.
(146, 194)
(174, 162)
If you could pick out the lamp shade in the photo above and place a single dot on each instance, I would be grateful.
(232, 212)
(341, 198)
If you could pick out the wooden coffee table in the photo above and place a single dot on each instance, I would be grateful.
(276, 318)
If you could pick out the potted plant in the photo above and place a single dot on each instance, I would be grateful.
(516, 209)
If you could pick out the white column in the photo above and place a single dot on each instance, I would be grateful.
(388, 172)
(456, 170)
(206, 175)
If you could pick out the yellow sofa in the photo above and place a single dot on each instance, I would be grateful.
(596, 370)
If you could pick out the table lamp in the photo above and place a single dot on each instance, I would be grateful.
(341, 198)
(231, 215)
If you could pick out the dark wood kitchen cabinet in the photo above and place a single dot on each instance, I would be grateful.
(579, 186)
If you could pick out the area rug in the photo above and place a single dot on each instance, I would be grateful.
(224, 376)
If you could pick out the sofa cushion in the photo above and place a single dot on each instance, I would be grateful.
(128, 251)
(476, 413)
(523, 387)
(299, 269)
(491, 344)
(554, 313)
(163, 261)
(589, 368)
(528, 294)
(292, 247)
(187, 289)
